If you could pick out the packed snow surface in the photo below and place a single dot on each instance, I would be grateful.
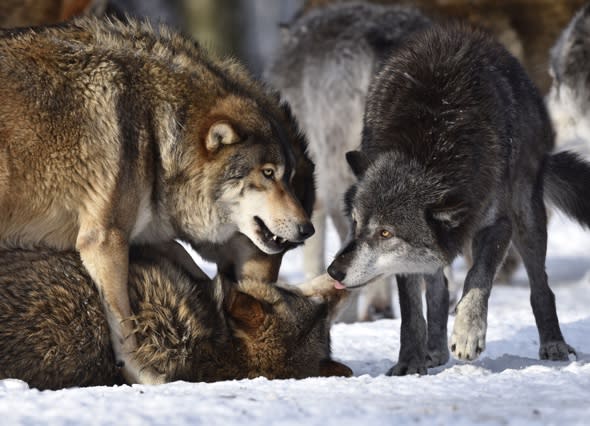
(507, 385)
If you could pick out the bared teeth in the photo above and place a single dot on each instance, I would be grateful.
(278, 240)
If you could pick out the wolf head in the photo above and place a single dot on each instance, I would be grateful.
(239, 175)
(402, 218)
(569, 97)
(285, 329)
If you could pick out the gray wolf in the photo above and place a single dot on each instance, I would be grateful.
(515, 23)
(54, 333)
(114, 134)
(323, 70)
(569, 98)
(455, 158)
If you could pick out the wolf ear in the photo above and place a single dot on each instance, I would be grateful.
(358, 162)
(331, 368)
(451, 212)
(220, 133)
(247, 311)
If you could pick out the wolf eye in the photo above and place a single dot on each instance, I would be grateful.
(385, 234)
(268, 173)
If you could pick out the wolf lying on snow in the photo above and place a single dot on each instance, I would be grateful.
(112, 134)
(456, 157)
(53, 332)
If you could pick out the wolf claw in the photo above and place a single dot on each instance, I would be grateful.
(556, 351)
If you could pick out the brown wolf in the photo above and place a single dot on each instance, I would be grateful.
(54, 334)
(112, 134)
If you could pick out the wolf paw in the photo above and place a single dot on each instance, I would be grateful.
(468, 340)
(404, 368)
(556, 351)
(144, 376)
(437, 357)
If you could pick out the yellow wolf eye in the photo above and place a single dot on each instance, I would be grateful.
(384, 233)
(268, 173)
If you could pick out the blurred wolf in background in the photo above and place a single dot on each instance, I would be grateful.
(569, 98)
(323, 70)
(527, 28)
(54, 334)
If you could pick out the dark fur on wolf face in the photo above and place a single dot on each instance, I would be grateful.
(54, 333)
(393, 229)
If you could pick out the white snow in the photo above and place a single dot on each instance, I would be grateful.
(507, 385)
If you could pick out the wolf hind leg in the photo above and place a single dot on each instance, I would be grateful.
(412, 352)
(469, 331)
(531, 241)
(437, 302)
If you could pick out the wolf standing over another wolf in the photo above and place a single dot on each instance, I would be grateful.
(113, 133)
(456, 157)
(323, 70)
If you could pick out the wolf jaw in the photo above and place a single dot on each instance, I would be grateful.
(270, 240)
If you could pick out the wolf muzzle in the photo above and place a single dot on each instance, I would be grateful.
(341, 263)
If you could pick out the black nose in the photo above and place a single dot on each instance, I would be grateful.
(336, 273)
(306, 230)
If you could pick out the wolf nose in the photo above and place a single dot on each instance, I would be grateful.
(306, 230)
(336, 273)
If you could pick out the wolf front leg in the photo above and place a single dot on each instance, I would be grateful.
(468, 339)
(105, 255)
(412, 351)
(437, 303)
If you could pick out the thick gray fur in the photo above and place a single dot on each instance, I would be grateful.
(323, 70)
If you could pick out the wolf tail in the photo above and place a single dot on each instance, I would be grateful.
(567, 185)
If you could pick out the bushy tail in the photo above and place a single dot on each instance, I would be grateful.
(567, 185)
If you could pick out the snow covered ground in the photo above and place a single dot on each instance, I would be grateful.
(507, 385)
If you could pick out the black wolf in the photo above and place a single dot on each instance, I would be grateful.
(456, 158)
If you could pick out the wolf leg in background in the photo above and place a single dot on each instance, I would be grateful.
(441, 172)
(167, 166)
(423, 345)
(324, 69)
(54, 334)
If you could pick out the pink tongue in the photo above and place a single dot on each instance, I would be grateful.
(338, 285)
